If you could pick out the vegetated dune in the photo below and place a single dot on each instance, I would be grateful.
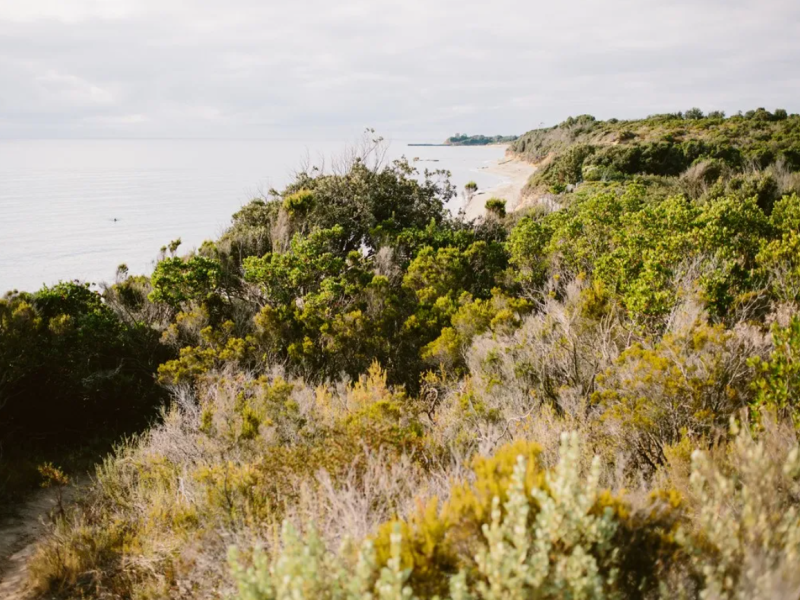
(373, 398)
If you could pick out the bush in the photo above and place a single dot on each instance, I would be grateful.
(778, 384)
(299, 203)
(70, 365)
(548, 536)
(496, 207)
(745, 542)
(688, 385)
(354, 362)
(693, 114)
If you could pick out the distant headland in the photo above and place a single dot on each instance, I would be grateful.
(462, 139)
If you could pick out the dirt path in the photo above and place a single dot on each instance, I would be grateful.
(18, 537)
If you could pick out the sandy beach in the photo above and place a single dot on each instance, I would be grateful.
(515, 174)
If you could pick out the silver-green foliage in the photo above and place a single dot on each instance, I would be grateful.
(305, 570)
(566, 552)
(743, 541)
(746, 538)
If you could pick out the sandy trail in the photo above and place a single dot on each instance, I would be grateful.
(19, 535)
(515, 174)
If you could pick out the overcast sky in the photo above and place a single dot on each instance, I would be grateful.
(427, 68)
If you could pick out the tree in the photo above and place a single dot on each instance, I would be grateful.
(693, 114)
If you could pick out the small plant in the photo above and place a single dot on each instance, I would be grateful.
(303, 568)
(54, 477)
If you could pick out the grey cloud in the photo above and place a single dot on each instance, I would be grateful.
(409, 68)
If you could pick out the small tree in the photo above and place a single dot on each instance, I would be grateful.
(693, 114)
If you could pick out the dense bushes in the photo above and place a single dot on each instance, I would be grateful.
(563, 537)
(362, 266)
(73, 376)
(374, 397)
(71, 367)
(663, 145)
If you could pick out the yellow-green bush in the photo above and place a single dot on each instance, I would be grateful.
(556, 534)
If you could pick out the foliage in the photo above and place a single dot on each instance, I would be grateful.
(355, 374)
(688, 385)
(70, 365)
(176, 281)
(496, 207)
(746, 542)
(547, 537)
(658, 145)
(778, 384)
(462, 139)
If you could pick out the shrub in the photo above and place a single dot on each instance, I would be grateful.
(70, 364)
(176, 281)
(687, 385)
(778, 384)
(496, 207)
(745, 540)
(544, 536)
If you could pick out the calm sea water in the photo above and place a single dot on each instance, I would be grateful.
(75, 209)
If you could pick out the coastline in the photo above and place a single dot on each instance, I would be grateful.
(515, 173)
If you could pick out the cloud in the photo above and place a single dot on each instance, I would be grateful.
(248, 68)
(70, 90)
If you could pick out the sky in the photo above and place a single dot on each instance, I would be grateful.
(327, 69)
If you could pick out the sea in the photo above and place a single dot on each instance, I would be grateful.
(76, 209)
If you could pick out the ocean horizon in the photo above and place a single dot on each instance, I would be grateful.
(75, 209)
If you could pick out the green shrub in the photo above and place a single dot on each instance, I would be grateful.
(496, 207)
(778, 384)
(299, 203)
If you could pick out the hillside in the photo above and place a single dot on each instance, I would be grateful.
(585, 149)
(352, 393)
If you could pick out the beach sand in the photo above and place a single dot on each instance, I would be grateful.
(515, 174)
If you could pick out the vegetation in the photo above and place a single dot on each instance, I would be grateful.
(371, 398)
(585, 149)
(73, 369)
(462, 139)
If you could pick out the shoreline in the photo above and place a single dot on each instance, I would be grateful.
(515, 174)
